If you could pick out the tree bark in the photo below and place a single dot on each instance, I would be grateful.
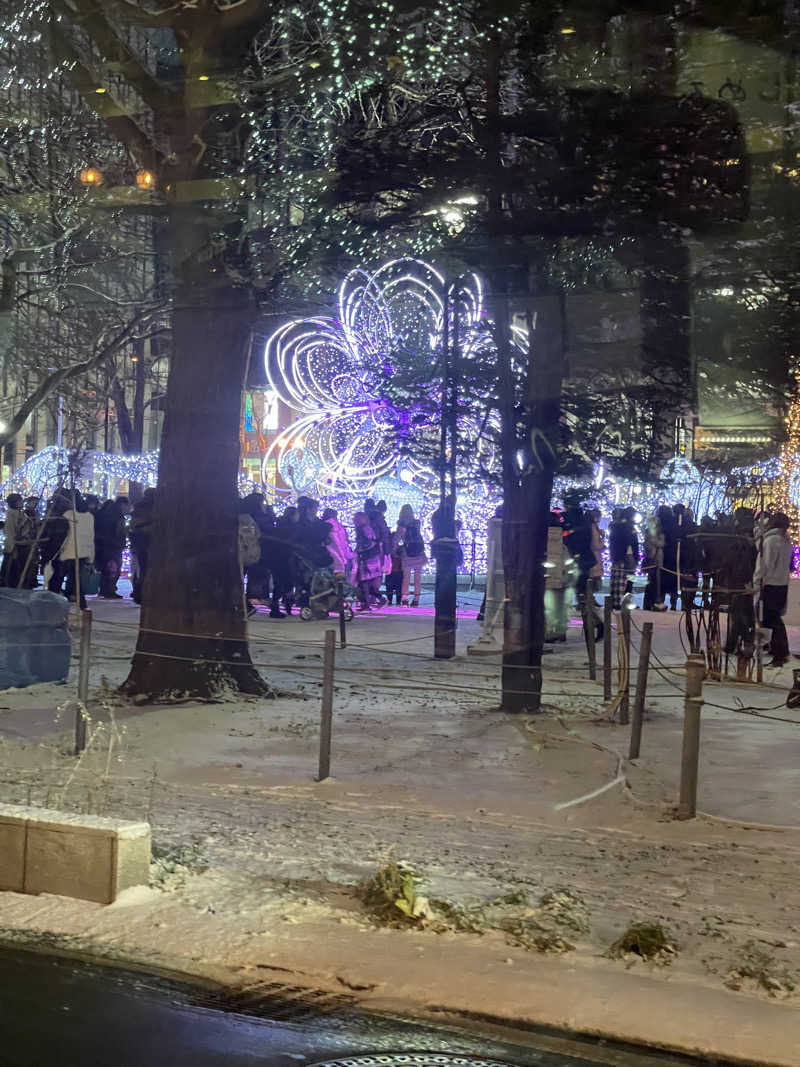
(193, 630)
(666, 315)
(526, 508)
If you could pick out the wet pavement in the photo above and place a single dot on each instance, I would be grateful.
(74, 1014)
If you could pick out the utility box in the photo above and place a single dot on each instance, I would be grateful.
(34, 640)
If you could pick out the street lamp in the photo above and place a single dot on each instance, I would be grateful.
(91, 176)
(445, 543)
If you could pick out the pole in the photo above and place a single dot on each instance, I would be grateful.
(83, 682)
(60, 426)
(588, 629)
(607, 648)
(342, 621)
(690, 754)
(444, 598)
(760, 601)
(625, 669)
(77, 562)
(641, 690)
(326, 724)
(453, 399)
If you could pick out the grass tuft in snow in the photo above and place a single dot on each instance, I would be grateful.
(649, 940)
(390, 896)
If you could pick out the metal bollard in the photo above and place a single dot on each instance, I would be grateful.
(342, 621)
(641, 690)
(589, 629)
(690, 754)
(607, 615)
(326, 723)
(83, 682)
(625, 670)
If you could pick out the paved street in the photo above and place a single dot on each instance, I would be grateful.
(57, 1011)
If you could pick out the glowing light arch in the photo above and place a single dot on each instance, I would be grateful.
(333, 373)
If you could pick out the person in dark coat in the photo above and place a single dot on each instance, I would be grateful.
(110, 535)
(669, 566)
(54, 533)
(739, 562)
(282, 556)
(688, 556)
(311, 535)
(623, 547)
(141, 530)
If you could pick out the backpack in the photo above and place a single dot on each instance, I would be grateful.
(414, 544)
(249, 544)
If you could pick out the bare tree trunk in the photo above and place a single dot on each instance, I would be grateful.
(526, 504)
(193, 631)
(666, 315)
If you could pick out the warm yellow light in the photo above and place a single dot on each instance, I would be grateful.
(202, 77)
(99, 89)
(145, 179)
(567, 30)
(91, 176)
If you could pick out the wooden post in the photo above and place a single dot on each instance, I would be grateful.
(326, 724)
(588, 629)
(607, 648)
(625, 669)
(641, 690)
(342, 622)
(83, 682)
(690, 755)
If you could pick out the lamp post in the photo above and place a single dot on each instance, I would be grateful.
(445, 544)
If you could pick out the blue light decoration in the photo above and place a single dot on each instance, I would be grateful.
(101, 473)
(396, 492)
(299, 467)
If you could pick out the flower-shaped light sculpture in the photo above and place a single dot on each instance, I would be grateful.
(335, 374)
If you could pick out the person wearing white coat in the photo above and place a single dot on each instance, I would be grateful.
(78, 544)
(771, 582)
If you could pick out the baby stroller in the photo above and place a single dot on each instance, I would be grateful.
(322, 597)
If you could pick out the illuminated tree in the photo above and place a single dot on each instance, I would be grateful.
(78, 270)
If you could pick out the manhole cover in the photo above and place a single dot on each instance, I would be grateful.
(411, 1059)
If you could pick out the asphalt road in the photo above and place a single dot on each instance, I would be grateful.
(56, 1012)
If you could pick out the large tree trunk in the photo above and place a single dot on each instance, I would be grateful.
(193, 631)
(666, 315)
(526, 508)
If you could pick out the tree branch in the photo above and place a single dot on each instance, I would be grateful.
(88, 14)
(63, 374)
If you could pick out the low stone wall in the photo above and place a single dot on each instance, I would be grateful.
(83, 856)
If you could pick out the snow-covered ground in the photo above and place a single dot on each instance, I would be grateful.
(257, 862)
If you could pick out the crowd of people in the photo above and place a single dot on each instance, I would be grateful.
(733, 562)
(280, 555)
(78, 540)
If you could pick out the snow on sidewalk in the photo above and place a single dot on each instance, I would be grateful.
(257, 863)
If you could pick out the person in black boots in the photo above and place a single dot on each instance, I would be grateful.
(110, 533)
(54, 534)
(623, 546)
